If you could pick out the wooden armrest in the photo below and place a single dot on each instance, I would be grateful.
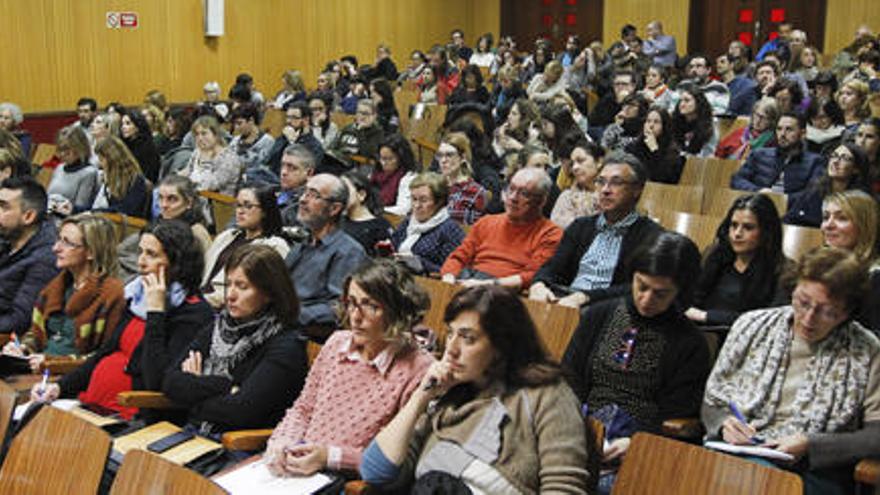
(868, 472)
(423, 143)
(246, 439)
(683, 428)
(357, 487)
(145, 399)
(361, 160)
(61, 366)
(218, 197)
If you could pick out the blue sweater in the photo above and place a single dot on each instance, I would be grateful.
(764, 165)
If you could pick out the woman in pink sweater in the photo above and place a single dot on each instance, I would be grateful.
(361, 377)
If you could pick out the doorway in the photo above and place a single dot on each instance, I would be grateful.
(554, 20)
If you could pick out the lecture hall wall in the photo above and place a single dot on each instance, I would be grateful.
(57, 50)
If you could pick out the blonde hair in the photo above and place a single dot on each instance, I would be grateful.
(861, 89)
(155, 97)
(74, 138)
(861, 209)
(99, 240)
(121, 168)
(294, 80)
(209, 122)
(462, 144)
(158, 118)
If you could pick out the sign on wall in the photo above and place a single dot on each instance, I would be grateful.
(122, 20)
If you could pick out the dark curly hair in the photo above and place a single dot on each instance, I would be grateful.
(185, 258)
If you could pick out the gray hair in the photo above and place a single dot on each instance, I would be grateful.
(542, 180)
(14, 109)
(624, 158)
(212, 86)
(302, 153)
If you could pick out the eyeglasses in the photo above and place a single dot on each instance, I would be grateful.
(623, 355)
(317, 108)
(311, 193)
(803, 305)
(362, 113)
(511, 192)
(841, 156)
(426, 200)
(365, 307)
(246, 206)
(67, 244)
(614, 182)
(445, 154)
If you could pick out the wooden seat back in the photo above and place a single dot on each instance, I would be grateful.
(341, 119)
(124, 225)
(143, 473)
(698, 228)
(222, 207)
(555, 325)
(43, 153)
(55, 453)
(657, 196)
(717, 201)
(8, 397)
(274, 121)
(797, 240)
(440, 294)
(654, 464)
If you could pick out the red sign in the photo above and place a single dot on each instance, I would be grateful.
(128, 20)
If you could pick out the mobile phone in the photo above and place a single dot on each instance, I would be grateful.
(170, 441)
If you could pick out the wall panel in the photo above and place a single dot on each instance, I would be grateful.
(844, 17)
(672, 13)
(55, 51)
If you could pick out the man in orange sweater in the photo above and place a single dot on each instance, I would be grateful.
(508, 248)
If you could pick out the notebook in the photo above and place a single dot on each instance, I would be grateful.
(750, 450)
(255, 477)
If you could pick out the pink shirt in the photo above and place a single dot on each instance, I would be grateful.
(347, 401)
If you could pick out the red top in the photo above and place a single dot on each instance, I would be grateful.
(109, 376)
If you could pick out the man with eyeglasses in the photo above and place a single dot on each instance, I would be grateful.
(589, 264)
(508, 248)
(319, 266)
(786, 168)
(717, 93)
(27, 262)
(297, 130)
(623, 84)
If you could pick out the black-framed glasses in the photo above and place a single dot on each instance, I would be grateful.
(623, 355)
(312, 193)
(511, 192)
(246, 206)
(365, 307)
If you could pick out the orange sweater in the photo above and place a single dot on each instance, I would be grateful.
(501, 248)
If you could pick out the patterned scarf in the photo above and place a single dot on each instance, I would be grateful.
(415, 229)
(232, 340)
(751, 369)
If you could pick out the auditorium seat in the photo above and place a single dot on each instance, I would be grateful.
(657, 196)
(274, 121)
(797, 240)
(55, 453)
(222, 207)
(654, 464)
(717, 201)
(124, 225)
(8, 397)
(143, 473)
(699, 228)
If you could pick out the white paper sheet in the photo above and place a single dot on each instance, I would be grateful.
(750, 450)
(256, 478)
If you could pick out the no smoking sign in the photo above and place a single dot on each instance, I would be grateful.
(122, 20)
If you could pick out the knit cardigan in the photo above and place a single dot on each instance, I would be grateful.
(96, 308)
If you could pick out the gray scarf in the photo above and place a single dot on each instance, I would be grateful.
(232, 341)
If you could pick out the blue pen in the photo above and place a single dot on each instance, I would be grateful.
(44, 382)
(742, 419)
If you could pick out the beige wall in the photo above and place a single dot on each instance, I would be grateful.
(843, 17)
(673, 14)
(55, 51)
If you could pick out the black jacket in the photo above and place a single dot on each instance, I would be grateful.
(562, 268)
(144, 150)
(263, 385)
(165, 336)
(683, 364)
(23, 274)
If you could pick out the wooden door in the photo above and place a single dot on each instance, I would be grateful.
(715, 23)
(555, 20)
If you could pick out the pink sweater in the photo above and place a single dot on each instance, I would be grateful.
(345, 403)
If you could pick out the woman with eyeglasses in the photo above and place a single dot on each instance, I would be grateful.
(162, 314)
(760, 133)
(257, 221)
(847, 169)
(395, 170)
(493, 416)
(78, 309)
(804, 378)
(361, 377)
(636, 361)
(467, 198)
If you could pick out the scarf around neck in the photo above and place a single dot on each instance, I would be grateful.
(752, 366)
(137, 297)
(415, 229)
(232, 341)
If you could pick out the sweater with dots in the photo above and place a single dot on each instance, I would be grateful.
(346, 402)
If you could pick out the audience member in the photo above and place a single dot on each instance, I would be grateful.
(467, 198)
(214, 166)
(323, 128)
(386, 112)
(743, 265)
(257, 221)
(250, 143)
(590, 263)
(742, 88)
(507, 249)
(693, 125)
(769, 367)
(579, 200)
(428, 234)
(297, 165)
(759, 133)
(247, 365)
(74, 183)
(363, 219)
(716, 92)
(656, 148)
(635, 360)
(395, 171)
(628, 124)
(10, 120)
(660, 47)
(124, 187)
(868, 139)
(361, 378)
(319, 266)
(163, 313)
(494, 367)
(656, 91)
(136, 134)
(79, 308)
(297, 130)
(362, 137)
(787, 168)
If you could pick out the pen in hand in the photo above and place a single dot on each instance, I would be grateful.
(742, 419)
(44, 383)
